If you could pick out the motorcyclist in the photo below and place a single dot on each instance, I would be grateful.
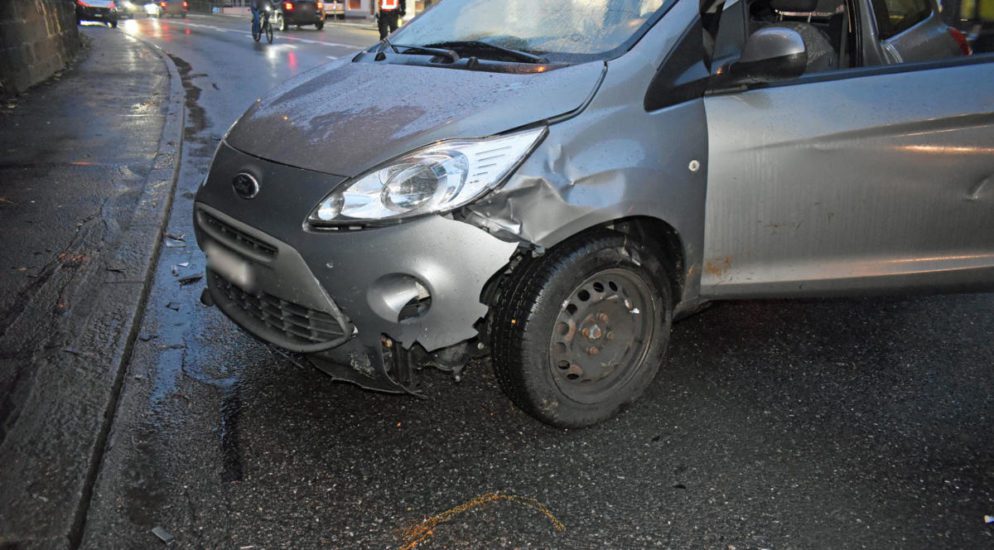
(258, 7)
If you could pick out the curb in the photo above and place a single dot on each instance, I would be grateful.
(152, 211)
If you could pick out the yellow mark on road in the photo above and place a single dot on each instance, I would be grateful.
(417, 534)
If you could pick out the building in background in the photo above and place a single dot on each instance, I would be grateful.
(366, 8)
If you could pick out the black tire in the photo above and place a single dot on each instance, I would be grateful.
(269, 32)
(614, 271)
(113, 24)
(319, 25)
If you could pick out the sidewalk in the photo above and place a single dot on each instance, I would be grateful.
(87, 171)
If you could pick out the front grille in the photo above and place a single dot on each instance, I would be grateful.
(239, 238)
(279, 319)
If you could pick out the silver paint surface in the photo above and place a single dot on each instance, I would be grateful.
(345, 118)
(452, 259)
(869, 183)
(613, 161)
(876, 182)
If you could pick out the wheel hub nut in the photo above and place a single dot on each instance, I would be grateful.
(595, 332)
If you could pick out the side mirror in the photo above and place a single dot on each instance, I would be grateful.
(770, 54)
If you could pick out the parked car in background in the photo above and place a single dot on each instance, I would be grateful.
(555, 181)
(103, 11)
(299, 13)
(153, 9)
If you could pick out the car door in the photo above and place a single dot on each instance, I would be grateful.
(862, 179)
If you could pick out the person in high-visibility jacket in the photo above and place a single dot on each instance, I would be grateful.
(388, 12)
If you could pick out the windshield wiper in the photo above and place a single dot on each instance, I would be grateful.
(475, 45)
(451, 55)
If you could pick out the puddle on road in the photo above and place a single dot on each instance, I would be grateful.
(183, 337)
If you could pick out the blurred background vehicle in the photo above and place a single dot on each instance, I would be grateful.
(152, 9)
(299, 13)
(103, 11)
(129, 9)
(173, 8)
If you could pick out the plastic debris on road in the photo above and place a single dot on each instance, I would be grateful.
(163, 535)
(417, 534)
(190, 279)
(175, 241)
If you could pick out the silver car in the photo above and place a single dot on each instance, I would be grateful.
(553, 182)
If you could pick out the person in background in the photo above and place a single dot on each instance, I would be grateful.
(388, 13)
(257, 7)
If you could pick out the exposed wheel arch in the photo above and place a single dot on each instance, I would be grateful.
(661, 236)
(667, 242)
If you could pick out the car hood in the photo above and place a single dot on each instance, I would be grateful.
(345, 118)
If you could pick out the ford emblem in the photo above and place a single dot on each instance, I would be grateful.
(245, 185)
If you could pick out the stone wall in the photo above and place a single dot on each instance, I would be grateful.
(37, 38)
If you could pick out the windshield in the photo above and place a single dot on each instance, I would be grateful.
(555, 28)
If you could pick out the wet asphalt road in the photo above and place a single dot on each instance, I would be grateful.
(804, 424)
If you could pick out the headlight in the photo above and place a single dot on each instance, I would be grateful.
(437, 178)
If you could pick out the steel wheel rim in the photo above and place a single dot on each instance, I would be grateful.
(602, 334)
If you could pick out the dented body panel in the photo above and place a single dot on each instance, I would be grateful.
(616, 161)
(358, 271)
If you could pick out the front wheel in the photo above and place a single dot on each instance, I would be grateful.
(269, 32)
(281, 24)
(580, 333)
(319, 25)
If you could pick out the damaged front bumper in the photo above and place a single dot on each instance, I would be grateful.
(356, 302)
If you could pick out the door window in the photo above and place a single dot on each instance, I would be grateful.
(896, 16)
(907, 32)
(825, 26)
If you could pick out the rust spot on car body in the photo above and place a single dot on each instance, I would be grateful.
(718, 267)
